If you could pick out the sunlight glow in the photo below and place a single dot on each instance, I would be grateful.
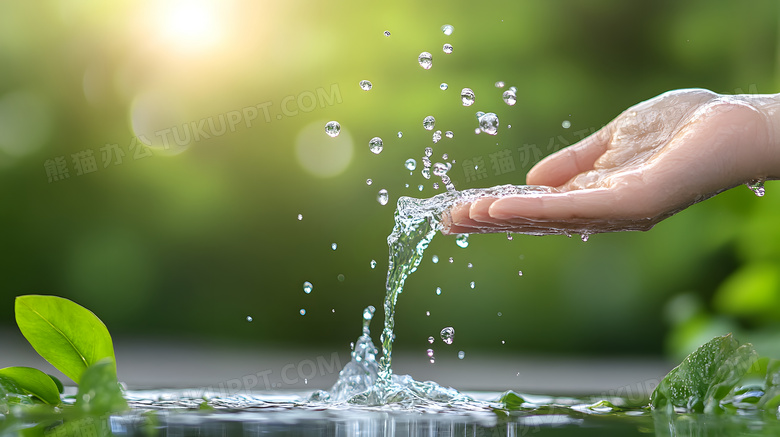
(190, 25)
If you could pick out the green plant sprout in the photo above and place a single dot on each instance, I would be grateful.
(77, 343)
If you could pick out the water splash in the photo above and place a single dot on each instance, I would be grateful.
(756, 186)
(365, 380)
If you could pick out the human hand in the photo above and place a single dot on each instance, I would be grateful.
(655, 159)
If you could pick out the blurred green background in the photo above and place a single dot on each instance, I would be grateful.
(185, 239)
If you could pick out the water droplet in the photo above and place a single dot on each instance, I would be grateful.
(509, 126)
(382, 197)
(340, 277)
(499, 314)
(451, 260)
(510, 98)
(584, 236)
(440, 169)
(407, 185)
(462, 240)
(410, 164)
(438, 291)
(447, 29)
(566, 124)
(249, 318)
(375, 145)
(449, 134)
(435, 185)
(368, 313)
(436, 136)
(448, 334)
(426, 60)
(447, 48)
(431, 339)
(435, 259)
(472, 285)
(365, 85)
(467, 96)
(519, 273)
(433, 360)
(300, 216)
(513, 89)
(488, 123)
(302, 311)
(400, 134)
(445, 157)
(369, 182)
(477, 131)
(461, 355)
(509, 236)
(307, 287)
(332, 128)
(427, 313)
(420, 187)
(500, 84)
(373, 263)
(469, 265)
(756, 186)
(503, 342)
(443, 86)
(387, 33)
(333, 310)
(429, 122)
(428, 152)
(430, 352)
(334, 246)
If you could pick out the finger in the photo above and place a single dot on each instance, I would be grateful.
(558, 168)
(479, 210)
(591, 203)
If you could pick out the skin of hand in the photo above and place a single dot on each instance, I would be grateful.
(655, 159)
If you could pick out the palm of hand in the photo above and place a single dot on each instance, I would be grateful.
(652, 161)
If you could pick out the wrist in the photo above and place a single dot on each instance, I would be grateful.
(767, 156)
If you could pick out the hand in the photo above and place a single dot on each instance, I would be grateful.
(652, 161)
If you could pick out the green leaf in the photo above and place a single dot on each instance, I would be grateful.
(34, 382)
(99, 390)
(705, 376)
(64, 333)
(511, 400)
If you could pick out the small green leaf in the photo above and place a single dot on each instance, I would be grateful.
(99, 390)
(58, 383)
(511, 400)
(705, 376)
(64, 333)
(34, 382)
